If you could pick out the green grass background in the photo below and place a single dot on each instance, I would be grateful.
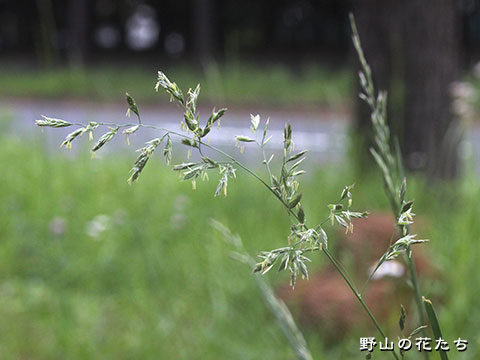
(232, 83)
(158, 283)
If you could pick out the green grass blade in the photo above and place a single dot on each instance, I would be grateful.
(278, 308)
(432, 317)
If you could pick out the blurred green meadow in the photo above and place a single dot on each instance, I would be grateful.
(232, 83)
(91, 267)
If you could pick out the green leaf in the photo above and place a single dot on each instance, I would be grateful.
(183, 166)
(257, 268)
(132, 105)
(191, 174)
(269, 159)
(303, 268)
(189, 142)
(407, 206)
(243, 138)
(284, 263)
(403, 316)
(341, 221)
(167, 151)
(417, 331)
(265, 129)
(105, 138)
(335, 207)
(70, 137)
(193, 98)
(294, 166)
(216, 115)
(346, 192)
(355, 214)
(209, 161)
(301, 215)
(265, 141)
(131, 130)
(324, 238)
(432, 317)
(52, 122)
(142, 159)
(287, 136)
(299, 172)
(294, 202)
(190, 120)
(170, 87)
(403, 189)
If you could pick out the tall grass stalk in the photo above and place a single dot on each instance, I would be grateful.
(388, 158)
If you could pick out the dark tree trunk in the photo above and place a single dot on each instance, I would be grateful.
(377, 22)
(47, 53)
(78, 31)
(431, 67)
(411, 47)
(203, 29)
(379, 25)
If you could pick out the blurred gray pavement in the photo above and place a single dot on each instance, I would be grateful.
(323, 133)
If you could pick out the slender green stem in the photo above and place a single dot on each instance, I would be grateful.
(354, 290)
(391, 167)
(266, 161)
(416, 287)
(380, 262)
(238, 163)
(357, 295)
(248, 170)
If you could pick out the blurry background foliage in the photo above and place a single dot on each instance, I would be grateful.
(92, 267)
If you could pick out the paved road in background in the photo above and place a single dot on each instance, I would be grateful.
(323, 133)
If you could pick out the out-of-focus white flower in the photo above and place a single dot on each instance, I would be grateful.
(389, 268)
(97, 225)
(464, 96)
(462, 89)
(178, 219)
(476, 70)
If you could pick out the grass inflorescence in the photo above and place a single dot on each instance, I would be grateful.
(306, 236)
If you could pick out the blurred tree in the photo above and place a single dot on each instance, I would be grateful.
(412, 48)
(203, 29)
(431, 52)
(46, 51)
(380, 25)
(78, 31)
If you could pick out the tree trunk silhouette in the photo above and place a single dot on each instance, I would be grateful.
(380, 28)
(78, 31)
(411, 47)
(430, 68)
(203, 29)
